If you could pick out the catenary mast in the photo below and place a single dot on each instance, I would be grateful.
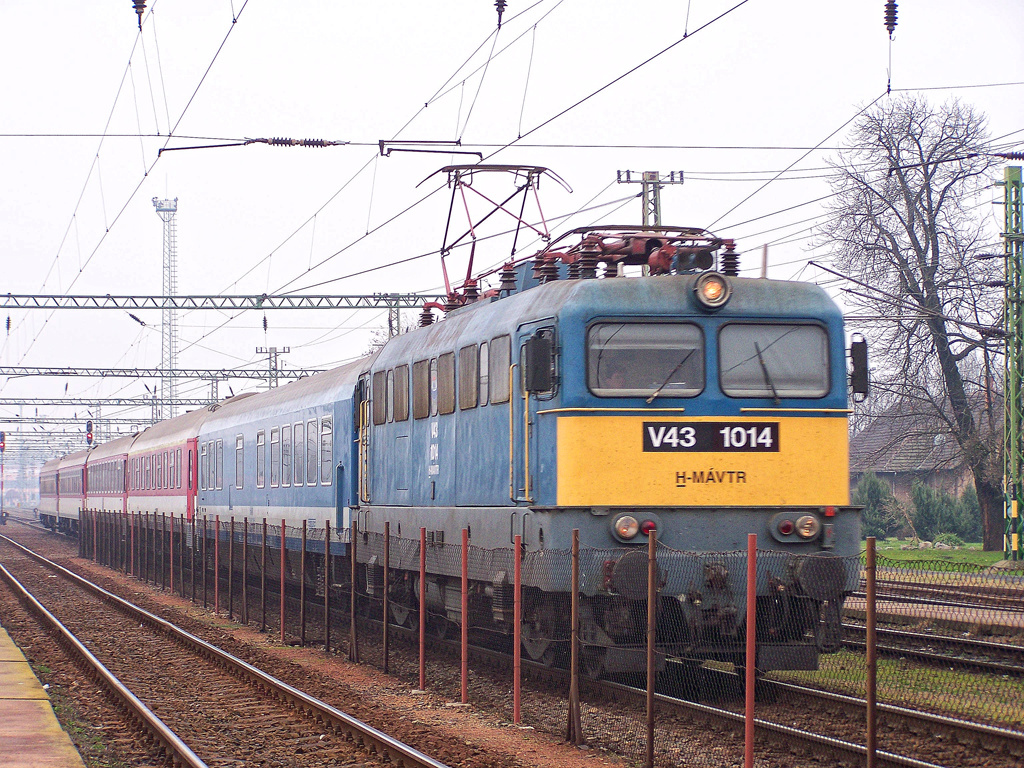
(167, 210)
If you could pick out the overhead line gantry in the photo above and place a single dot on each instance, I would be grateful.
(228, 303)
(142, 373)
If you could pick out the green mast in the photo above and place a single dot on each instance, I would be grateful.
(1013, 421)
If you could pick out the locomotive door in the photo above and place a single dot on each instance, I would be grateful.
(531, 341)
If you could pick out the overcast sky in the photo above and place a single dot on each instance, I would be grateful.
(749, 90)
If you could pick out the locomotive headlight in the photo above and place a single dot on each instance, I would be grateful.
(808, 526)
(627, 527)
(712, 290)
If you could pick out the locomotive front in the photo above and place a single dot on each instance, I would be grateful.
(702, 406)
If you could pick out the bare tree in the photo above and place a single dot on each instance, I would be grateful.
(904, 227)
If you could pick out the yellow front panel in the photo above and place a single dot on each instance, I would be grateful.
(602, 462)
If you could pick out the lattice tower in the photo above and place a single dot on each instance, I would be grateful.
(167, 210)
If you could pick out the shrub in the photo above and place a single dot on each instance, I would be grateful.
(949, 539)
(880, 518)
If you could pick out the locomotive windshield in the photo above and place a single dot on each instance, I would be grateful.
(629, 359)
(763, 360)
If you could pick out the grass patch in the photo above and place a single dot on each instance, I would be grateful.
(945, 690)
(969, 554)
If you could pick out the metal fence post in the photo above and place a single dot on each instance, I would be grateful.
(192, 563)
(353, 635)
(245, 570)
(94, 524)
(327, 586)
(172, 554)
(231, 569)
(181, 557)
(263, 579)
(302, 589)
(387, 588)
(133, 554)
(281, 590)
(216, 564)
(652, 618)
(575, 731)
(748, 736)
(517, 631)
(423, 609)
(205, 544)
(871, 680)
(163, 551)
(464, 639)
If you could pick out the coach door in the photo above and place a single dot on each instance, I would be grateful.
(361, 418)
(533, 383)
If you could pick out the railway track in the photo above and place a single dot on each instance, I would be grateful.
(1004, 597)
(942, 650)
(228, 712)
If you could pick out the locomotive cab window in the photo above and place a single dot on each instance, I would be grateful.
(421, 389)
(377, 395)
(446, 383)
(468, 360)
(402, 393)
(499, 363)
(773, 360)
(640, 359)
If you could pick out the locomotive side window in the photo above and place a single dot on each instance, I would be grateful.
(377, 395)
(433, 387)
(326, 451)
(311, 456)
(446, 383)
(402, 393)
(300, 453)
(239, 461)
(261, 459)
(421, 389)
(643, 359)
(391, 396)
(483, 368)
(773, 360)
(501, 360)
(286, 455)
(275, 457)
(468, 361)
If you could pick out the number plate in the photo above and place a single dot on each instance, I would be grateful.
(711, 436)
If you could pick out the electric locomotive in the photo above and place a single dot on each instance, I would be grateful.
(686, 401)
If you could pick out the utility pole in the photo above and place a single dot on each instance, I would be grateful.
(652, 182)
(1013, 414)
(167, 210)
(272, 354)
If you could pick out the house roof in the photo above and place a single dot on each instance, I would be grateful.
(903, 439)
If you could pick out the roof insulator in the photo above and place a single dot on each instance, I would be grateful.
(426, 317)
(730, 260)
(500, 5)
(508, 279)
(890, 17)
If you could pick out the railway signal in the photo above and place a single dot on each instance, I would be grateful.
(88, 432)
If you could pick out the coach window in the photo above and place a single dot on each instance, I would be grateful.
(178, 471)
(275, 457)
(501, 360)
(311, 454)
(212, 484)
(286, 455)
(326, 451)
(635, 359)
(421, 389)
(220, 464)
(484, 378)
(379, 397)
(159, 473)
(300, 453)
(391, 396)
(468, 375)
(773, 360)
(204, 467)
(446, 383)
(261, 459)
(402, 393)
(170, 468)
(239, 461)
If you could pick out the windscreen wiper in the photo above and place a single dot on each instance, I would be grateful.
(767, 375)
(664, 384)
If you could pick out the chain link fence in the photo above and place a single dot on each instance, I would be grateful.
(949, 638)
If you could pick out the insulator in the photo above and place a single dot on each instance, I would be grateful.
(426, 317)
(572, 271)
(500, 6)
(470, 291)
(264, 323)
(1004, 155)
(508, 279)
(140, 8)
(730, 261)
(890, 17)
(611, 269)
